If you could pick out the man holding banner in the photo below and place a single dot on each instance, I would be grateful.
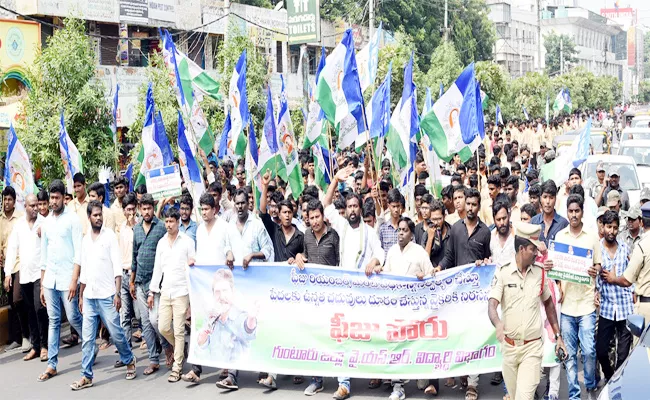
(520, 331)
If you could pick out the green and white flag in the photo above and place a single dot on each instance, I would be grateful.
(562, 102)
(238, 101)
(269, 154)
(289, 147)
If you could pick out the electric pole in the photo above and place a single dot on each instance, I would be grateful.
(539, 36)
(371, 17)
(446, 31)
(561, 55)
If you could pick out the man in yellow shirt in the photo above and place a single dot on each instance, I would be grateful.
(578, 319)
(96, 191)
(121, 187)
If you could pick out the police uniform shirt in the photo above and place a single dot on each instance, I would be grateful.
(638, 269)
(519, 297)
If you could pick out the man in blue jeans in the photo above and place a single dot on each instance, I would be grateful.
(61, 235)
(578, 319)
(146, 235)
(99, 295)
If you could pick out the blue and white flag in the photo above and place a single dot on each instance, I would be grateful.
(378, 113)
(189, 167)
(128, 174)
(269, 155)
(316, 116)
(224, 142)
(523, 109)
(498, 118)
(288, 146)
(72, 162)
(155, 152)
(18, 168)
(238, 101)
(442, 90)
(368, 60)
(114, 121)
(559, 169)
(322, 172)
(428, 103)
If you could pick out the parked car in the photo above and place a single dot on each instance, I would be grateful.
(640, 121)
(630, 381)
(627, 171)
(639, 150)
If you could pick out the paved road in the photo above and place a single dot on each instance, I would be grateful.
(18, 381)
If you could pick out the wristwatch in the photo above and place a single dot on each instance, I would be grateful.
(557, 336)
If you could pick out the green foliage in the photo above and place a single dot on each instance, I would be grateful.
(552, 46)
(444, 68)
(529, 90)
(646, 54)
(257, 74)
(644, 91)
(494, 82)
(473, 33)
(62, 77)
(397, 53)
(348, 10)
(256, 3)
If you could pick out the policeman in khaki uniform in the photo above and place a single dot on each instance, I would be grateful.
(518, 286)
(638, 270)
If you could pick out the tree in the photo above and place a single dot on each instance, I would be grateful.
(644, 92)
(472, 31)
(494, 82)
(62, 78)
(398, 54)
(444, 68)
(531, 91)
(646, 54)
(552, 44)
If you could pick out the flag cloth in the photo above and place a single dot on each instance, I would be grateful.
(128, 174)
(442, 90)
(160, 137)
(187, 159)
(322, 172)
(484, 100)
(443, 125)
(114, 121)
(523, 109)
(226, 148)
(558, 169)
(186, 93)
(498, 118)
(316, 116)
(18, 169)
(433, 163)
(288, 146)
(338, 91)
(547, 112)
(153, 141)
(428, 103)
(251, 164)
(404, 126)
(238, 101)
(378, 112)
(562, 102)
(368, 60)
(192, 77)
(72, 162)
(269, 153)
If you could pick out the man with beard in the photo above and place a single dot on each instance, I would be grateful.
(61, 236)
(187, 226)
(511, 189)
(502, 245)
(120, 187)
(616, 302)
(613, 183)
(469, 242)
(360, 248)
(578, 318)
(515, 285)
(247, 240)
(146, 235)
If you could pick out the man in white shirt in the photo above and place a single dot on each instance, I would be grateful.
(174, 253)
(99, 295)
(210, 234)
(359, 249)
(25, 245)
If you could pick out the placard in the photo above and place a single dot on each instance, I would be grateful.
(570, 263)
(164, 182)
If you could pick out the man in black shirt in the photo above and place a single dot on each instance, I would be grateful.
(321, 242)
(286, 237)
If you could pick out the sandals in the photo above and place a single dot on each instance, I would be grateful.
(151, 369)
(174, 377)
(227, 383)
(223, 374)
(105, 344)
(450, 383)
(298, 380)
(130, 370)
(31, 355)
(497, 379)
(82, 383)
(471, 394)
(44, 355)
(374, 383)
(48, 374)
(268, 382)
(191, 377)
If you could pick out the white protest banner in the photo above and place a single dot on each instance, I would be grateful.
(570, 263)
(164, 182)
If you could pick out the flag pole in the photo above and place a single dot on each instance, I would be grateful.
(425, 153)
(365, 121)
(329, 146)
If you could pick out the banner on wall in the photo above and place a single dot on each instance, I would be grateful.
(325, 321)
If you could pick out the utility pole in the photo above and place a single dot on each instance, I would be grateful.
(226, 10)
(371, 17)
(539, 36)
(561, 55)
(446, 31)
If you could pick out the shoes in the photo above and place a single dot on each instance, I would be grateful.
(70, 340)
(12, 346)
(26, 347)
(341, 393)
(314, 387)
(398, 393)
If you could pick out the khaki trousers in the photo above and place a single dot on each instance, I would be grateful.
(642, 309)
(171, 323)
(521, 369)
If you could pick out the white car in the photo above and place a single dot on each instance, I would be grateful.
(626, 169)
(639, 150)
(640, 121)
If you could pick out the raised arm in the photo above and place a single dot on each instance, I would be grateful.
(340, 176)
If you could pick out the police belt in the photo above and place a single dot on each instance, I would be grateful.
(513, 342)
(643, 299)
